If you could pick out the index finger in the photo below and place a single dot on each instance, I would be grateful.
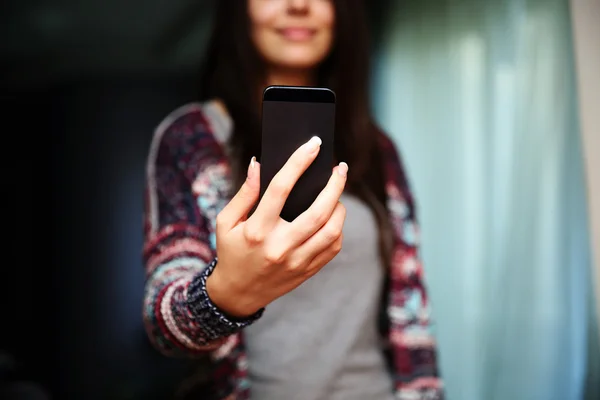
(317, 215)
(273, 200)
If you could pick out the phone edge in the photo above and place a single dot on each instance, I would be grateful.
(309, 94)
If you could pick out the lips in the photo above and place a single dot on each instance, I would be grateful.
(297, 34)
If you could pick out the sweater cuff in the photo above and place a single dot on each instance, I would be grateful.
(214, 322)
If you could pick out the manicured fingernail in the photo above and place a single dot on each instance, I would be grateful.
(313, 144)
(343, 169)
(251, 168)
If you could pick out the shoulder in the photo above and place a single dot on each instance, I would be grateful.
(189, 116)
(388, 147)
(188, 135)
(182, 127)
(186, 160)
(397, 182)
(393, 165)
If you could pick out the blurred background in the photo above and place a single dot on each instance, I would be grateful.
(493, 104)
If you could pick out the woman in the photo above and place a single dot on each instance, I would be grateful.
(269, 331)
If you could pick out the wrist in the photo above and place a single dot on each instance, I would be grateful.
(223, 294)
(215, 322)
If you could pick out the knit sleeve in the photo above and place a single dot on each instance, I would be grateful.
(411, 334)
(178, 251)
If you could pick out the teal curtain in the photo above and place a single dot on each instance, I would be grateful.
(480, 98)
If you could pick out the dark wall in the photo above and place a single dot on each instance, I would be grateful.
(108, 127)
(75, 211)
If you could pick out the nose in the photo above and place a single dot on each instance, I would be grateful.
(298, 6)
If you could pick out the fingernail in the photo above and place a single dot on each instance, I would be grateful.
(251, 168)
(313, 144)
(343, 169)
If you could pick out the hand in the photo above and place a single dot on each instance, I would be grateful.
(264, 257)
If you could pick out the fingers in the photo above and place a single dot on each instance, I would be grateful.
(311, 220)
(326, 237)
(243, 201)
(324, 257)
(273, 200)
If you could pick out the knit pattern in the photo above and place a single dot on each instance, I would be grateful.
(215, 324)
(188, 183)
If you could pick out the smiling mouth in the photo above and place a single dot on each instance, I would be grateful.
(297, 34)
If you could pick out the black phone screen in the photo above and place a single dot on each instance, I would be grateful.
(290, 117)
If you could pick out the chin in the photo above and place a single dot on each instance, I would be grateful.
(297, 64)
(299, 59)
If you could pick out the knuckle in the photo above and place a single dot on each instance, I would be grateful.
(337, 245)
(298, 160)
(280, 189)
(295, 265)
(318, 218)
(310, 272)
(246, 190)
(254, 235)
(333, 232)
(274, 256)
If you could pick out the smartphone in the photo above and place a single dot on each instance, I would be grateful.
(291, 115)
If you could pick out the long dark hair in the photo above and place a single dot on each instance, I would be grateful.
(233, 72)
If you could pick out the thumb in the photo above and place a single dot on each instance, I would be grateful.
(243, 201)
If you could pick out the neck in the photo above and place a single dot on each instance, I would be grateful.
(290, 77)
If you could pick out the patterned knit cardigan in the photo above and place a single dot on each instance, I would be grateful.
(188, 182)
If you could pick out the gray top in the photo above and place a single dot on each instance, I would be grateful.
(320, 341)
